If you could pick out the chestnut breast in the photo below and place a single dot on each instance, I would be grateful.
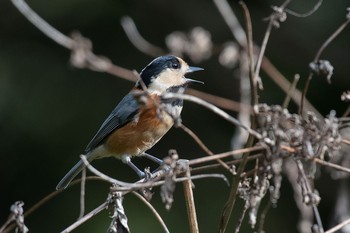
(148, 127)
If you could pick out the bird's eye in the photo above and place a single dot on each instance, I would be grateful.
(175, 65)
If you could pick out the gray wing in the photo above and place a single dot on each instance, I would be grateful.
(123, 113)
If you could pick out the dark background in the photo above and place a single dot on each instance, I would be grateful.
(49, 110)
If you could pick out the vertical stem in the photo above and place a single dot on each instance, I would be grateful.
(191, 208)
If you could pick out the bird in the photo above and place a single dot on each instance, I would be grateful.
(136, 124)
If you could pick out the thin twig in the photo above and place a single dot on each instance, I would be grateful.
(137, 40)
(42, 25)
(154, 211)
(189, 199)
(203, 146)
(291, 90)
(220, 101)
(254, 81)
(307, 14)
(284, 84)
(317, 57)
(347, 112)
(232, 22)
(346, 141)
(230, 163)
(308, 189)
(339, 226)
(82, 193)
(263, 46)
(263, 217)
(331, 38)
(85, 218)
(214, 109)
(241, 217)
(332, 165)
(224, 155)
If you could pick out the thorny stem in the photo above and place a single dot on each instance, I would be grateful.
(317, 57)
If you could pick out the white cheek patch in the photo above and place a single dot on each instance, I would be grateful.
(165, 80)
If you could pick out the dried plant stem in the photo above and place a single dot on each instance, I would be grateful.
(332, 165)
(220, 101)
(42, 25)
(85, 218)
(137, 40)
(263, 217)
(224, 155)
(154, 211)
(203, 146)
(82, 193)
(232, 22)
(339, 226)
(240, 220)
(347, 112)
(346, 141)
(191, 208)
(317, 57)
(214, 109)
(254, 80)
(230, 163)
(308, 189)
(291, 90)
(284, 84)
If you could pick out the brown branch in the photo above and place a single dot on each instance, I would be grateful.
(203, 146)
(339, 226)
(224, 155)
(189, 199)
(154, 211)
(85, 218)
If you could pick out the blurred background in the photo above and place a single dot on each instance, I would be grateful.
(50, 110)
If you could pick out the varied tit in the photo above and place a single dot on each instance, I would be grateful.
(134, 126)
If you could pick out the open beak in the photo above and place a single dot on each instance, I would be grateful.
(193, 69)
(190, 70)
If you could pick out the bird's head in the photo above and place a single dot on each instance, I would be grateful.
(166, 73)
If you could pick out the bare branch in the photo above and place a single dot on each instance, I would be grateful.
(191, 208)
(137, 40)
(224, 155)
(85, 218)
(339, 226)
(203, 146)
(232, 22)
(42, 25)
(154, 211)
(214, 109)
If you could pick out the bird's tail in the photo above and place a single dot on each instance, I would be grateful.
(70, 175)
